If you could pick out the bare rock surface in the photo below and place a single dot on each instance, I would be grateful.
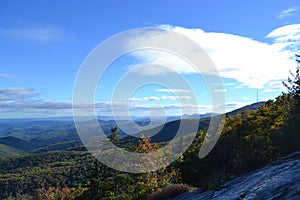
(278, 180)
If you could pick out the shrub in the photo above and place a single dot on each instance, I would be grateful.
(169, 192)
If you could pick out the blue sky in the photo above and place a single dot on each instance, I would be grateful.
(44, 43)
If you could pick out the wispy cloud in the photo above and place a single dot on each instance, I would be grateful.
(220, 90)
(16, 94)
(25, 102)
(40, 34)
(173, 90)
(286, 36)
(6, 75)
(229, 106)
(287, 13)
(161, 98)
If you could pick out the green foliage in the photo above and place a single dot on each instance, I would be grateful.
(293, 83)
(10, 151)
(55, 193)
(107, 183)
(28, 174)
(58, 147)
(249, 140)
(290, 140)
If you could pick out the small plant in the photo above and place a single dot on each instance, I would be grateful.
(53, 193)
(169, 192)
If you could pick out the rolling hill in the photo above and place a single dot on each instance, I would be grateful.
(8, 151)
(17, 143)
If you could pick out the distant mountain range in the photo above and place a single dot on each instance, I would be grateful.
(24, 121)
(167, 132)
(250, 107)
(19, 136)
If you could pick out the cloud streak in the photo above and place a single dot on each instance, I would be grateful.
(173, 90)
(40, 34)
(287, 13)
(16, 94)
(25, 102)
(161, 98)
(6, 75)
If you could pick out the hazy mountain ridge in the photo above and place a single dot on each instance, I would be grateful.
(250, 107)
(167, 132)
(25, 135)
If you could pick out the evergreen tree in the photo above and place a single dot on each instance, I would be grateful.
(293, 83)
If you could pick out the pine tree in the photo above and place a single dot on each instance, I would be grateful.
(293, 83)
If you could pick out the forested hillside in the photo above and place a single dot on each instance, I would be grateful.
(249, 140)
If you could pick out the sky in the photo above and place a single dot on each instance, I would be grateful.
(43, 46)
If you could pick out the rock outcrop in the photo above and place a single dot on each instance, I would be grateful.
(278, 180)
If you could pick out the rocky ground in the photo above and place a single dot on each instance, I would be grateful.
(278, 180)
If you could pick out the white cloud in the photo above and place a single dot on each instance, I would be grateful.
(220, 90)
(16, 94)
(24, 102)
(230, 84)
(251, 63)
(161, 98)
(41, 34)
(269, 90)
(287, 38)
(287, 13)
(288, 33)
(174, 90)
(233, 105)
(246, 98)
(170, 62)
